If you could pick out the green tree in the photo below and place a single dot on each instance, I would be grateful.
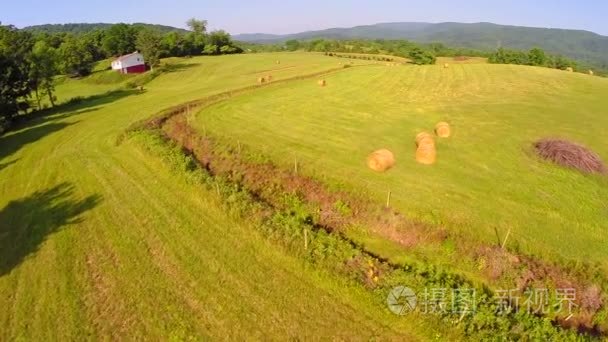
(562, 63)
(15, 84)
(292, 45)
(219, 38)
(419, 56)
(537, 57)
(149, 44)
(76, 57)
(210, 49)
(44, 67)
(195, 40)
(227, 49)
(197, 26)
(119, 39)
(173, 44)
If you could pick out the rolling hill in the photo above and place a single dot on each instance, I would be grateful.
(81, 28)
(581, 45)
(131, 239)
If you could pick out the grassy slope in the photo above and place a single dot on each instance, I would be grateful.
(98, 240)
(485, 176)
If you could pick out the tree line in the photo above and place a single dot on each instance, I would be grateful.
(30, 61)
(534, 57)
(416, 52)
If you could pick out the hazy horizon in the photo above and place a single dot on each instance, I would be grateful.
(275, 17)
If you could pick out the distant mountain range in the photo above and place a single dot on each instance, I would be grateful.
(581, 45)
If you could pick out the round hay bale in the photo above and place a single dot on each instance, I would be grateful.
(591, 72)
(278, 61)
(446, 65)
(569, 154)
(381, 160)
(426, 154)
(424, 139)
(569, 69)
(442, 130)
(261, 80)
(269, 78)
(322, 83)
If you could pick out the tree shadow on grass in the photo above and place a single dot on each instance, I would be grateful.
(26, 223)
(5, 165)
(13, 142)
(75, 106)
(34, 126)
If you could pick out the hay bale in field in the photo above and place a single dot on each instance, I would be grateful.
(278, 61)
(426, 154)
(381, 160)
(261, 80)
(322, 83)
(591, 72)
(446, 65)
(424, 139)
(442, 130)
(569, 69)
(569, 154)
(269, 78)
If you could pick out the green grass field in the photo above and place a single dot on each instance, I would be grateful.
(99, 241)
(486, 176)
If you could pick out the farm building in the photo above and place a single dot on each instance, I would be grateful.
(130, 64)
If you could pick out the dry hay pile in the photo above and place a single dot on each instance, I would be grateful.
(569, 154)
(322, 83)
(261, 80)
(591, 72)
(278, 62)
(381, 160)
(569, 69)
(269, 78)
(424, 139)
(425, 149)
(442, 130)
(446, 65)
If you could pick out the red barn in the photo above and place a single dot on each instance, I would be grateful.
(130, 64)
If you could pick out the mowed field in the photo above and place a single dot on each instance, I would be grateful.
(99, 241)
(486, 179)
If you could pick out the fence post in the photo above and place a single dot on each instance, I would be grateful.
(295, 165)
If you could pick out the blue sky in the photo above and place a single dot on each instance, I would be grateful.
(270, 16)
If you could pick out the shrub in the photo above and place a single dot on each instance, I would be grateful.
(421, 57)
